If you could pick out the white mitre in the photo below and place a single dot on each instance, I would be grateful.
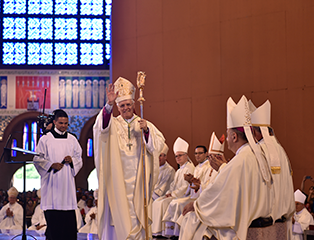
(125, 88)
(299, 196)
(96, 194)
(260, 117)
(165, 149)
(180, 146)
(12, 192)
(215, 146)
(239, 115)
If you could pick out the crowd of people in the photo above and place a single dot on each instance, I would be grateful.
(35, 220)
(250, 196)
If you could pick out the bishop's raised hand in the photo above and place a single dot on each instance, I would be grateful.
(111, 95)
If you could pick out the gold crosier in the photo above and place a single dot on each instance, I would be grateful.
(140, 84)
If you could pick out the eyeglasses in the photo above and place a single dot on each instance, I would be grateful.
(179, 155)
(199, 153)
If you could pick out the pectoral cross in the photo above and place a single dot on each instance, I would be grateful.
(129, 145)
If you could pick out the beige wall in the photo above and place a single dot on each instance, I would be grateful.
(196, 54)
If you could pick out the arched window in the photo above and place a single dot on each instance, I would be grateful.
(32, 178)
(92, 180)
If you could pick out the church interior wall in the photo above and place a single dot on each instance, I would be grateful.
(196, 54)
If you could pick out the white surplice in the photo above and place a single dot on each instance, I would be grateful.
(165, 178)
(177, 189)
(58, 188)
(227, 207)
(15, 222)
(206, 174)
(302, 221)
(119, 170)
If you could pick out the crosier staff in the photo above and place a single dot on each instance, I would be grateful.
(140, 84)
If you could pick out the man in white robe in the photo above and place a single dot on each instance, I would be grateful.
(166, 175)
(59, 162)
(91, 218)
(118, 160)
(11, 214)
(177, 188)
(240, 192)
(302, 218)
(203, 174)
(282, 189)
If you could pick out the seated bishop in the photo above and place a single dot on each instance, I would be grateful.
(91, 225)
(11, 214)
(166, 175)
(302, 218)
(177, 188)
(203, 175)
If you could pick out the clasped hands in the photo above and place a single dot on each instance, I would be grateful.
(195, 183)
(58, 166)
(9, 213)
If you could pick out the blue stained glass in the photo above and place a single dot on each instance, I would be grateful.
(108, 51)
(14, 6)
(39, 6)
(66, 7)
(91, 54)
(66, 28)
(39, 28)
(108, 7)
(92, 7)
(65, 53)
(91, 29)
(39, 54)
(14, 28)
(14, 53)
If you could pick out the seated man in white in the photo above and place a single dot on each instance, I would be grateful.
(38, 219)
(166, 175)
(39, 222)
(177, 188)
(203, 175)
(11, 215)
(91, 225)
(302, 218)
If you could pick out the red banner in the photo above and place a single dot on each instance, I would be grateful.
(30, 91)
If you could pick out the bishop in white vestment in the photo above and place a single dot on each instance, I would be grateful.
(118, 160)
(203, 173)
(177, 188)
(302, 218)
(11, 214)
(166, 175)
(282, 189)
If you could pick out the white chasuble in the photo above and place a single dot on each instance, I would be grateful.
(227, 207)
(15, 222)
(118, 158)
